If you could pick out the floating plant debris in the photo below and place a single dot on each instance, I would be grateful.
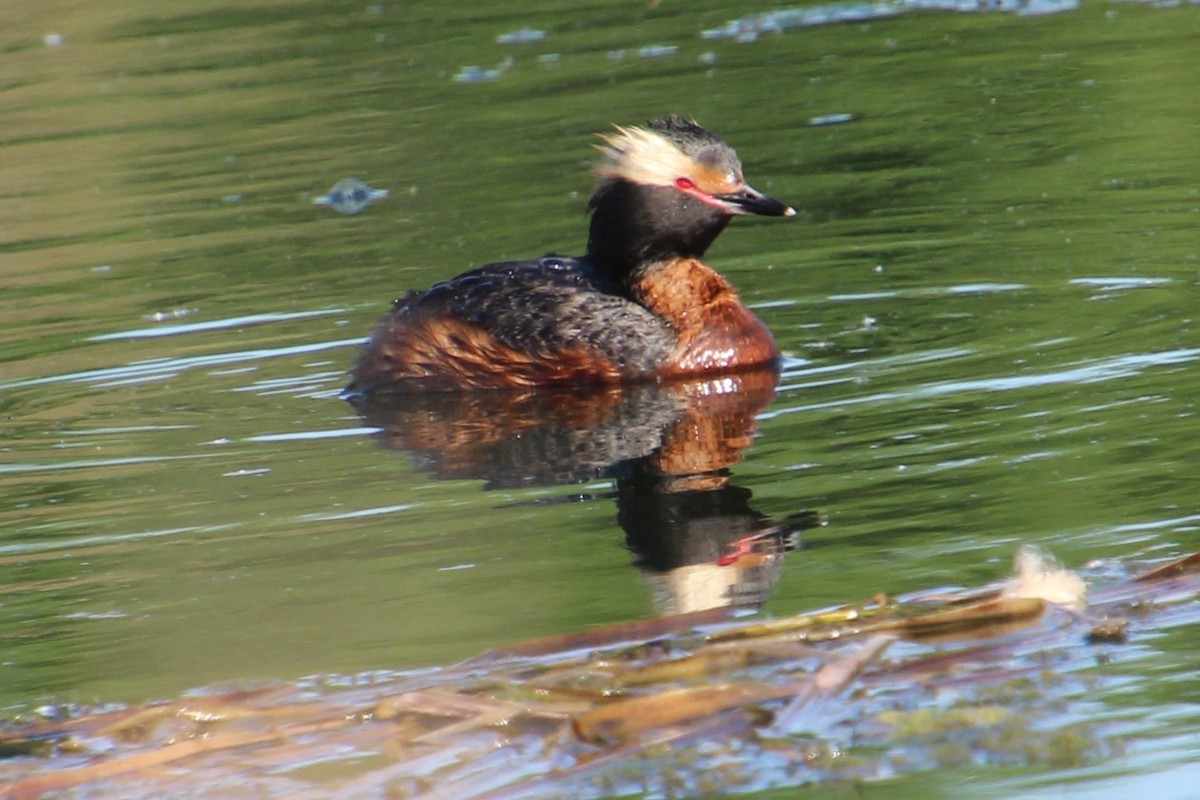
(696, 704)
(350, 196)
(1039, 576)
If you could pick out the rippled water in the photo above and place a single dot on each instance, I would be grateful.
(988, 305)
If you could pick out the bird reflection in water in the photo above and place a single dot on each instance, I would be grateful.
(668, 447)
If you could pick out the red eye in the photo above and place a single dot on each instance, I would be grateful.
(685, 184)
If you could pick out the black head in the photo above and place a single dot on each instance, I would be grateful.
(667, 190)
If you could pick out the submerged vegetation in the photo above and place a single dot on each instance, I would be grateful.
(688, 705)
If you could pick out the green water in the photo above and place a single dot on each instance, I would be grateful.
(988, 303)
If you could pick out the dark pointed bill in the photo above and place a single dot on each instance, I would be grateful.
(748, 200)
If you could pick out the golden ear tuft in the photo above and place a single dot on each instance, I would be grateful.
(642, 156)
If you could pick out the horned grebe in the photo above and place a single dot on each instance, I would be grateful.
(639, 306)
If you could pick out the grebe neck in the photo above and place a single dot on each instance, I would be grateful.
(635, 225)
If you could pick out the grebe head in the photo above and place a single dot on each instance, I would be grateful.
(667, 190)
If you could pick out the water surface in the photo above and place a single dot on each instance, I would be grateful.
(987, 302)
